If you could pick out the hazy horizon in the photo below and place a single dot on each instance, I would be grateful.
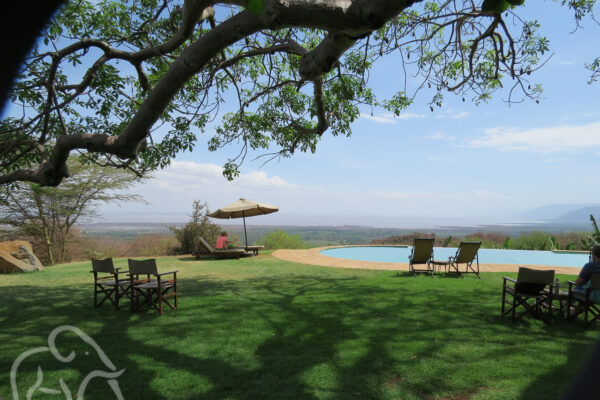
(376, 221)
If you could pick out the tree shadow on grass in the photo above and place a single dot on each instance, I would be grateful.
(294, 337)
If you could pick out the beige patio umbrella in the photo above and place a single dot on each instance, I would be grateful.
(241, 209)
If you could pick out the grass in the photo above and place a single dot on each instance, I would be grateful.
(261, 328)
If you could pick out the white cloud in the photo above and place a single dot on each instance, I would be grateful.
(486, 194)
(453, 115)
(171, 191)
(460, 115)
(381, 119)
(389, 118)
(441, 136)
(571, 62)
(564, 138)
(411, 116)
(188, 175)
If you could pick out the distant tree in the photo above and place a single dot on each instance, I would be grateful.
(198, 226)
(280, 239)
(553, 243)
(447, 241)
(594, 238)
(531, 241)
(506, 244)
(47, 214)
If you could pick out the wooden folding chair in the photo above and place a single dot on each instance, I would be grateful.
(530, 285)
(153, 292)
(108, 283)
(421, 253)
(467, 253)
(586, 302)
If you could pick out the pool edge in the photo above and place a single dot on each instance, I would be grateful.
(314, 257)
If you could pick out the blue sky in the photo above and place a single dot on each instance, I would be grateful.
(461, 164)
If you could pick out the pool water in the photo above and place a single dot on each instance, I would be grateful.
(486, 256)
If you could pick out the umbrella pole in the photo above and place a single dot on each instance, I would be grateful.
(245, 234)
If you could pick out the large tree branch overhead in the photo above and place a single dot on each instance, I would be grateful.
(149, 83)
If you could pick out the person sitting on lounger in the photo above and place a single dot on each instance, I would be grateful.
(222, 242)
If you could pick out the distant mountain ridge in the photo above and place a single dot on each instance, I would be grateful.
(581, 214)
(564, 213)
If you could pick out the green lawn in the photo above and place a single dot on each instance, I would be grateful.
(261, 328)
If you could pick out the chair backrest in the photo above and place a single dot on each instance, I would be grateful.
(542, 277)
(533, 281)
(422, 250)
(205, 244)
(137, 267)
(105, 265)
(467, 251)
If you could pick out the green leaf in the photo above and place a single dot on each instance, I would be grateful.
(255, 6)
(494, 6)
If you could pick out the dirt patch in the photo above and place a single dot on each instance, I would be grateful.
(393, 381)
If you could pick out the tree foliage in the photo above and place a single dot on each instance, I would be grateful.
(199, 226)
(132, 83)
(47, 214)
(594, 238)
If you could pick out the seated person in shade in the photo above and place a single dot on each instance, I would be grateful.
(222, 243)
(588, 269)
(583, 280)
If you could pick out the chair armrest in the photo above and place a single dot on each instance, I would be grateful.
(506, 278)
(571, 284)
(166, 273)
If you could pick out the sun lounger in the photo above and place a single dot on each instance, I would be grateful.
(206, 249)
(422, 253)
(467, 253)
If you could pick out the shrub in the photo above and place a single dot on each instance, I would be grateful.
(282, 240)
(531, 241)
(199, 226)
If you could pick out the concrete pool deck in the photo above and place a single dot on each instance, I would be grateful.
(314, 257)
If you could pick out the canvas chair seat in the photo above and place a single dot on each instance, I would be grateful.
(154, 285)
(108, 284)
(153, 290)
(120, 282)
(528, 293)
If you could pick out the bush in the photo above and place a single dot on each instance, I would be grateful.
(531, 241)
(199, 226)
(282, 240)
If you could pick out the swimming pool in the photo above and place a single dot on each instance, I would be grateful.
(486, 256)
